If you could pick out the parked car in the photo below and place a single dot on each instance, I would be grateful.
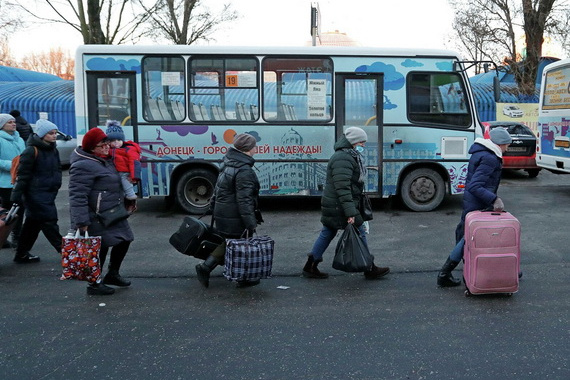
(65, 145)
(512, 111)
(521, 154)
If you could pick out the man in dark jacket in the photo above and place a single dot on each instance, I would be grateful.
(234, 202)
(346, 174)
(22, 126)
(481, 186)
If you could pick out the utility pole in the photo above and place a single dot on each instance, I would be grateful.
(315, 22)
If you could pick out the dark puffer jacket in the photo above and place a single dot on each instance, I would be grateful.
(483, 178)
(236, 195)
(39, 180)
(342, 190)
(95, 185)
(482, 182)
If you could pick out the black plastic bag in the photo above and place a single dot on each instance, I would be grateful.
(352, 254)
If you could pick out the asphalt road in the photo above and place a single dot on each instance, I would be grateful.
(165, 326)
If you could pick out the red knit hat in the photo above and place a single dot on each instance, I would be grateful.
(92, 138)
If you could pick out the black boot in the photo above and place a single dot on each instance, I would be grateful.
(98, 289)
(25, 258)
(310, 269)
(114, 278)
(376, 272)
(445, 278)
(204, 269)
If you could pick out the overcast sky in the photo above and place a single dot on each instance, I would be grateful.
(399, 23)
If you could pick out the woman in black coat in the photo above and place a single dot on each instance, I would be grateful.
(344, 186)
(95, 186)
(234, 202)
(38, 182)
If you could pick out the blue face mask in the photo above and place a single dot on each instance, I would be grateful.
(359, 149)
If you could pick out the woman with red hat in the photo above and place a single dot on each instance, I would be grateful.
(94, 187)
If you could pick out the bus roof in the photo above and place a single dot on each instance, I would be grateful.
(255, 50)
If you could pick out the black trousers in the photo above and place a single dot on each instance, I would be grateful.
(30, 231)
(118, 253)
(5, 194)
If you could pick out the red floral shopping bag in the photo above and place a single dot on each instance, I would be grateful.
(80, 257)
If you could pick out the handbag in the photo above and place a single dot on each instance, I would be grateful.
(195, 238)
(365, 208)
(248, 258)
(113, 215)
(80, 257)
(352, 254)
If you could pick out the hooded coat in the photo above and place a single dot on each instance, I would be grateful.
(342, 191)
(39, 179)
(482, 182)
(236, 195)
(95, 186)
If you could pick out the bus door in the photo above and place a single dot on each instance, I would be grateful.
(112, 96)
(359, 104)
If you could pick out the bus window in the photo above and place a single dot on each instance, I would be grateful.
(437, 98)
(224, 89)
(163, 92)
(297, 89)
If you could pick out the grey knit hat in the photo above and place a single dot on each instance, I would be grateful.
(244, 142)
(44, 126)
(355, 135)
(500, 136)
(4, 118)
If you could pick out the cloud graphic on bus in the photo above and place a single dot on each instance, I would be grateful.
(393, 80)
(411, 63)
(105, 64)
(183, 130)
(444, 66)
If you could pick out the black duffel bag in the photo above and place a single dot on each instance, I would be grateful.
(195, 238)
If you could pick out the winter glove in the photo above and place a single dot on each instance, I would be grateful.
(498, 205)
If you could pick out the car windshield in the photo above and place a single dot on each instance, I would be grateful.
(516, 129)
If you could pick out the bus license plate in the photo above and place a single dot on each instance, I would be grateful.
(562, 143)
(516, 149)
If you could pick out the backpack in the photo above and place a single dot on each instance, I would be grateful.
(16, 163)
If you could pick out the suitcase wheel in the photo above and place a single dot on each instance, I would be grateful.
(467, 293)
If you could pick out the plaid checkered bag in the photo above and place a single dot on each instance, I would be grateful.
(249, 259)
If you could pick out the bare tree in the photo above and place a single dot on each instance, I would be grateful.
(98, 21)
(503, 19)
(184, 22)
(56, 62)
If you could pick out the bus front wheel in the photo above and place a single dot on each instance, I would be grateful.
(422, 190)
(194, 190)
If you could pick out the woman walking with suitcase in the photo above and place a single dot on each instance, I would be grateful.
(481, 185)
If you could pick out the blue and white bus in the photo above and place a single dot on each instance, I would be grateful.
(185, 104)
(553, 149)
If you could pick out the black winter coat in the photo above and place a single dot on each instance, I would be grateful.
(236, 195)
(95, 185)
(38, 180)
(342, 191)
(23, 127)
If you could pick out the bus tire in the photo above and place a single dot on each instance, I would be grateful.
(422, 190)
(194, 190)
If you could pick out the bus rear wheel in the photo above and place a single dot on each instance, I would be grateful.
(194, 190)
(422, 190)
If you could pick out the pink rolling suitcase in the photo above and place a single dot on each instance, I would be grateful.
(492, 253)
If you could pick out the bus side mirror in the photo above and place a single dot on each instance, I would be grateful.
(496, 89)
